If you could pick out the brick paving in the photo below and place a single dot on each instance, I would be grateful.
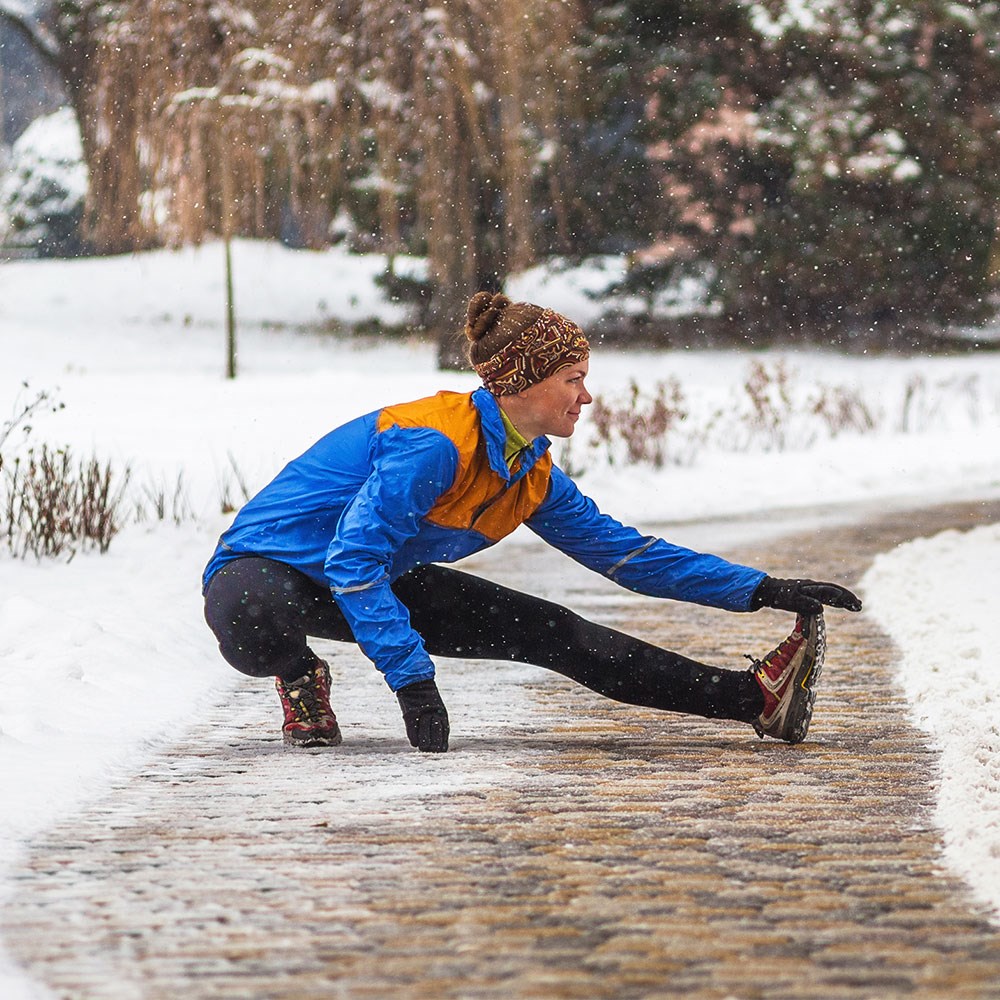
(568, 847)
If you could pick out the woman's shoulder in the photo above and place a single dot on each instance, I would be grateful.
(442, 411)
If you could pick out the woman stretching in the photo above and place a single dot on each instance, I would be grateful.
(346, 543)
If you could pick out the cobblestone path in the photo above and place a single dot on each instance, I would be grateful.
(568, 847)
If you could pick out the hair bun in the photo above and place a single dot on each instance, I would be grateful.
(484, 311)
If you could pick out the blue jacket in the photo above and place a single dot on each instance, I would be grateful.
(427, 482)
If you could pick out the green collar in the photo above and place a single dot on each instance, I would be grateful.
(516, 442)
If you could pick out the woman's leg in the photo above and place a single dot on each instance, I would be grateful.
(261, 611)
(458, 614)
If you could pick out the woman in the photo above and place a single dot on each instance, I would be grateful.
(344, 544)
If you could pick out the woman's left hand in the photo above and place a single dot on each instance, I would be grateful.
(804, 597)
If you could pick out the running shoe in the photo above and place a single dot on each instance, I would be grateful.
(309, 719)
(787, 676)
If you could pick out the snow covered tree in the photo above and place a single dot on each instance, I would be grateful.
(435, 124)
(42, 194)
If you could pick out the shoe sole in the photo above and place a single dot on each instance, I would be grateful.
(801, 708)
(333, 739)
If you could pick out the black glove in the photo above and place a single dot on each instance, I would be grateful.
(425, 716)
(804, 597)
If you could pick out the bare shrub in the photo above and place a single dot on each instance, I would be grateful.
(773, 409)
(52, 503)
(768, 391)
(843, 409)
(642, 426)
(927, 406)
(55, 505)
(23, 413)
(164, 503)
(227, 505)
(787, 412)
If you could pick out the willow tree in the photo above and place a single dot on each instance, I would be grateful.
(463, 103)
(119, 61)
(447, 114)
(203, 117)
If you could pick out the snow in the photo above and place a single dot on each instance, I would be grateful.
(135, 349)
(19, 8)
(576, 291)
(936, 598)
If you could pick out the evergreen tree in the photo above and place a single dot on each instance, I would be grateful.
(834, 161)
(597, 194)
(42, 193)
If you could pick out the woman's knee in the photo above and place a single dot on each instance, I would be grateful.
(257, 634)
(253, 662)
(259, 648)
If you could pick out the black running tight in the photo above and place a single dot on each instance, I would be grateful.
(261, 612)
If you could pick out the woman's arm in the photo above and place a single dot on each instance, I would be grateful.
(573, 523)
(412, 467)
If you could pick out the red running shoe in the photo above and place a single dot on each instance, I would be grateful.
(786, 676)
(309, 720)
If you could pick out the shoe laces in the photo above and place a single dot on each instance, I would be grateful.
(306, 697)
(778, 657)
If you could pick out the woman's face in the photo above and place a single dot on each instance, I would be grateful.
(552, 406)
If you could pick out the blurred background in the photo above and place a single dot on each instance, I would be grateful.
(784, 171)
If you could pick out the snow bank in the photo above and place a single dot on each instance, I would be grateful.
(936, 597)
(99, 656)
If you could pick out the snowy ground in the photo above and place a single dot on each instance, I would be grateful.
(100, 655)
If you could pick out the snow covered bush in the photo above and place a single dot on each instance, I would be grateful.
(42, 193)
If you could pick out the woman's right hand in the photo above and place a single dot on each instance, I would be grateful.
(425, 716)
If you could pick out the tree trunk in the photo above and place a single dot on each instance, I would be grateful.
(993, 267)
(488, 272)
(447, 320)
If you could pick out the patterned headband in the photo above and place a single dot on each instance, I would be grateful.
(549, 345)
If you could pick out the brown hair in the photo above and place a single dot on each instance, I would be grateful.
(493, 321)
(515, 345)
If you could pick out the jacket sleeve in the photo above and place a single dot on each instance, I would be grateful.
(412, 467)
(572, 523)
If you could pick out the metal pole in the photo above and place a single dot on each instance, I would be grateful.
(227, 226)
(230, 313)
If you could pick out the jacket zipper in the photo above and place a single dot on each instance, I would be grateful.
(486, 504)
